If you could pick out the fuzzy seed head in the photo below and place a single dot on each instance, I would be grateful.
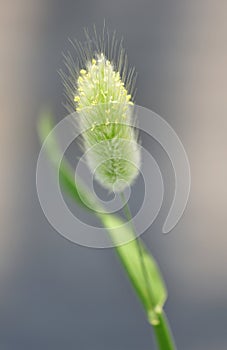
(104, 104)
(100, 84)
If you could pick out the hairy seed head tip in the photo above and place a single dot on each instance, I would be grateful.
(103, 100)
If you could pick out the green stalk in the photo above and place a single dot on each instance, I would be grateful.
(163, 336)
(139, 264)
(128, 216)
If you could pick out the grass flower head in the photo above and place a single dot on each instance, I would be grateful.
(100, 87)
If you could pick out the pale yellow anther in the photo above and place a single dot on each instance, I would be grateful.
(76, 98)
(93, 61)
(83, 71)
(128, 97)
(107, 122)
(131, 103)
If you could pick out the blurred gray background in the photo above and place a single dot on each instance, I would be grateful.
(55, 294)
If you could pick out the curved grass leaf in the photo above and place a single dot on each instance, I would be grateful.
(128, 253)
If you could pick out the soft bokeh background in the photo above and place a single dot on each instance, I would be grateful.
(55, 294)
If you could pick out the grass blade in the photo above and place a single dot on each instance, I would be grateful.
(127, 253)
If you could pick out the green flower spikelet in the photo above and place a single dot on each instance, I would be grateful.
(105, 110)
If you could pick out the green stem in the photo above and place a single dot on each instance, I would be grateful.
(163, 334)
(161, 329)
(128, 216)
